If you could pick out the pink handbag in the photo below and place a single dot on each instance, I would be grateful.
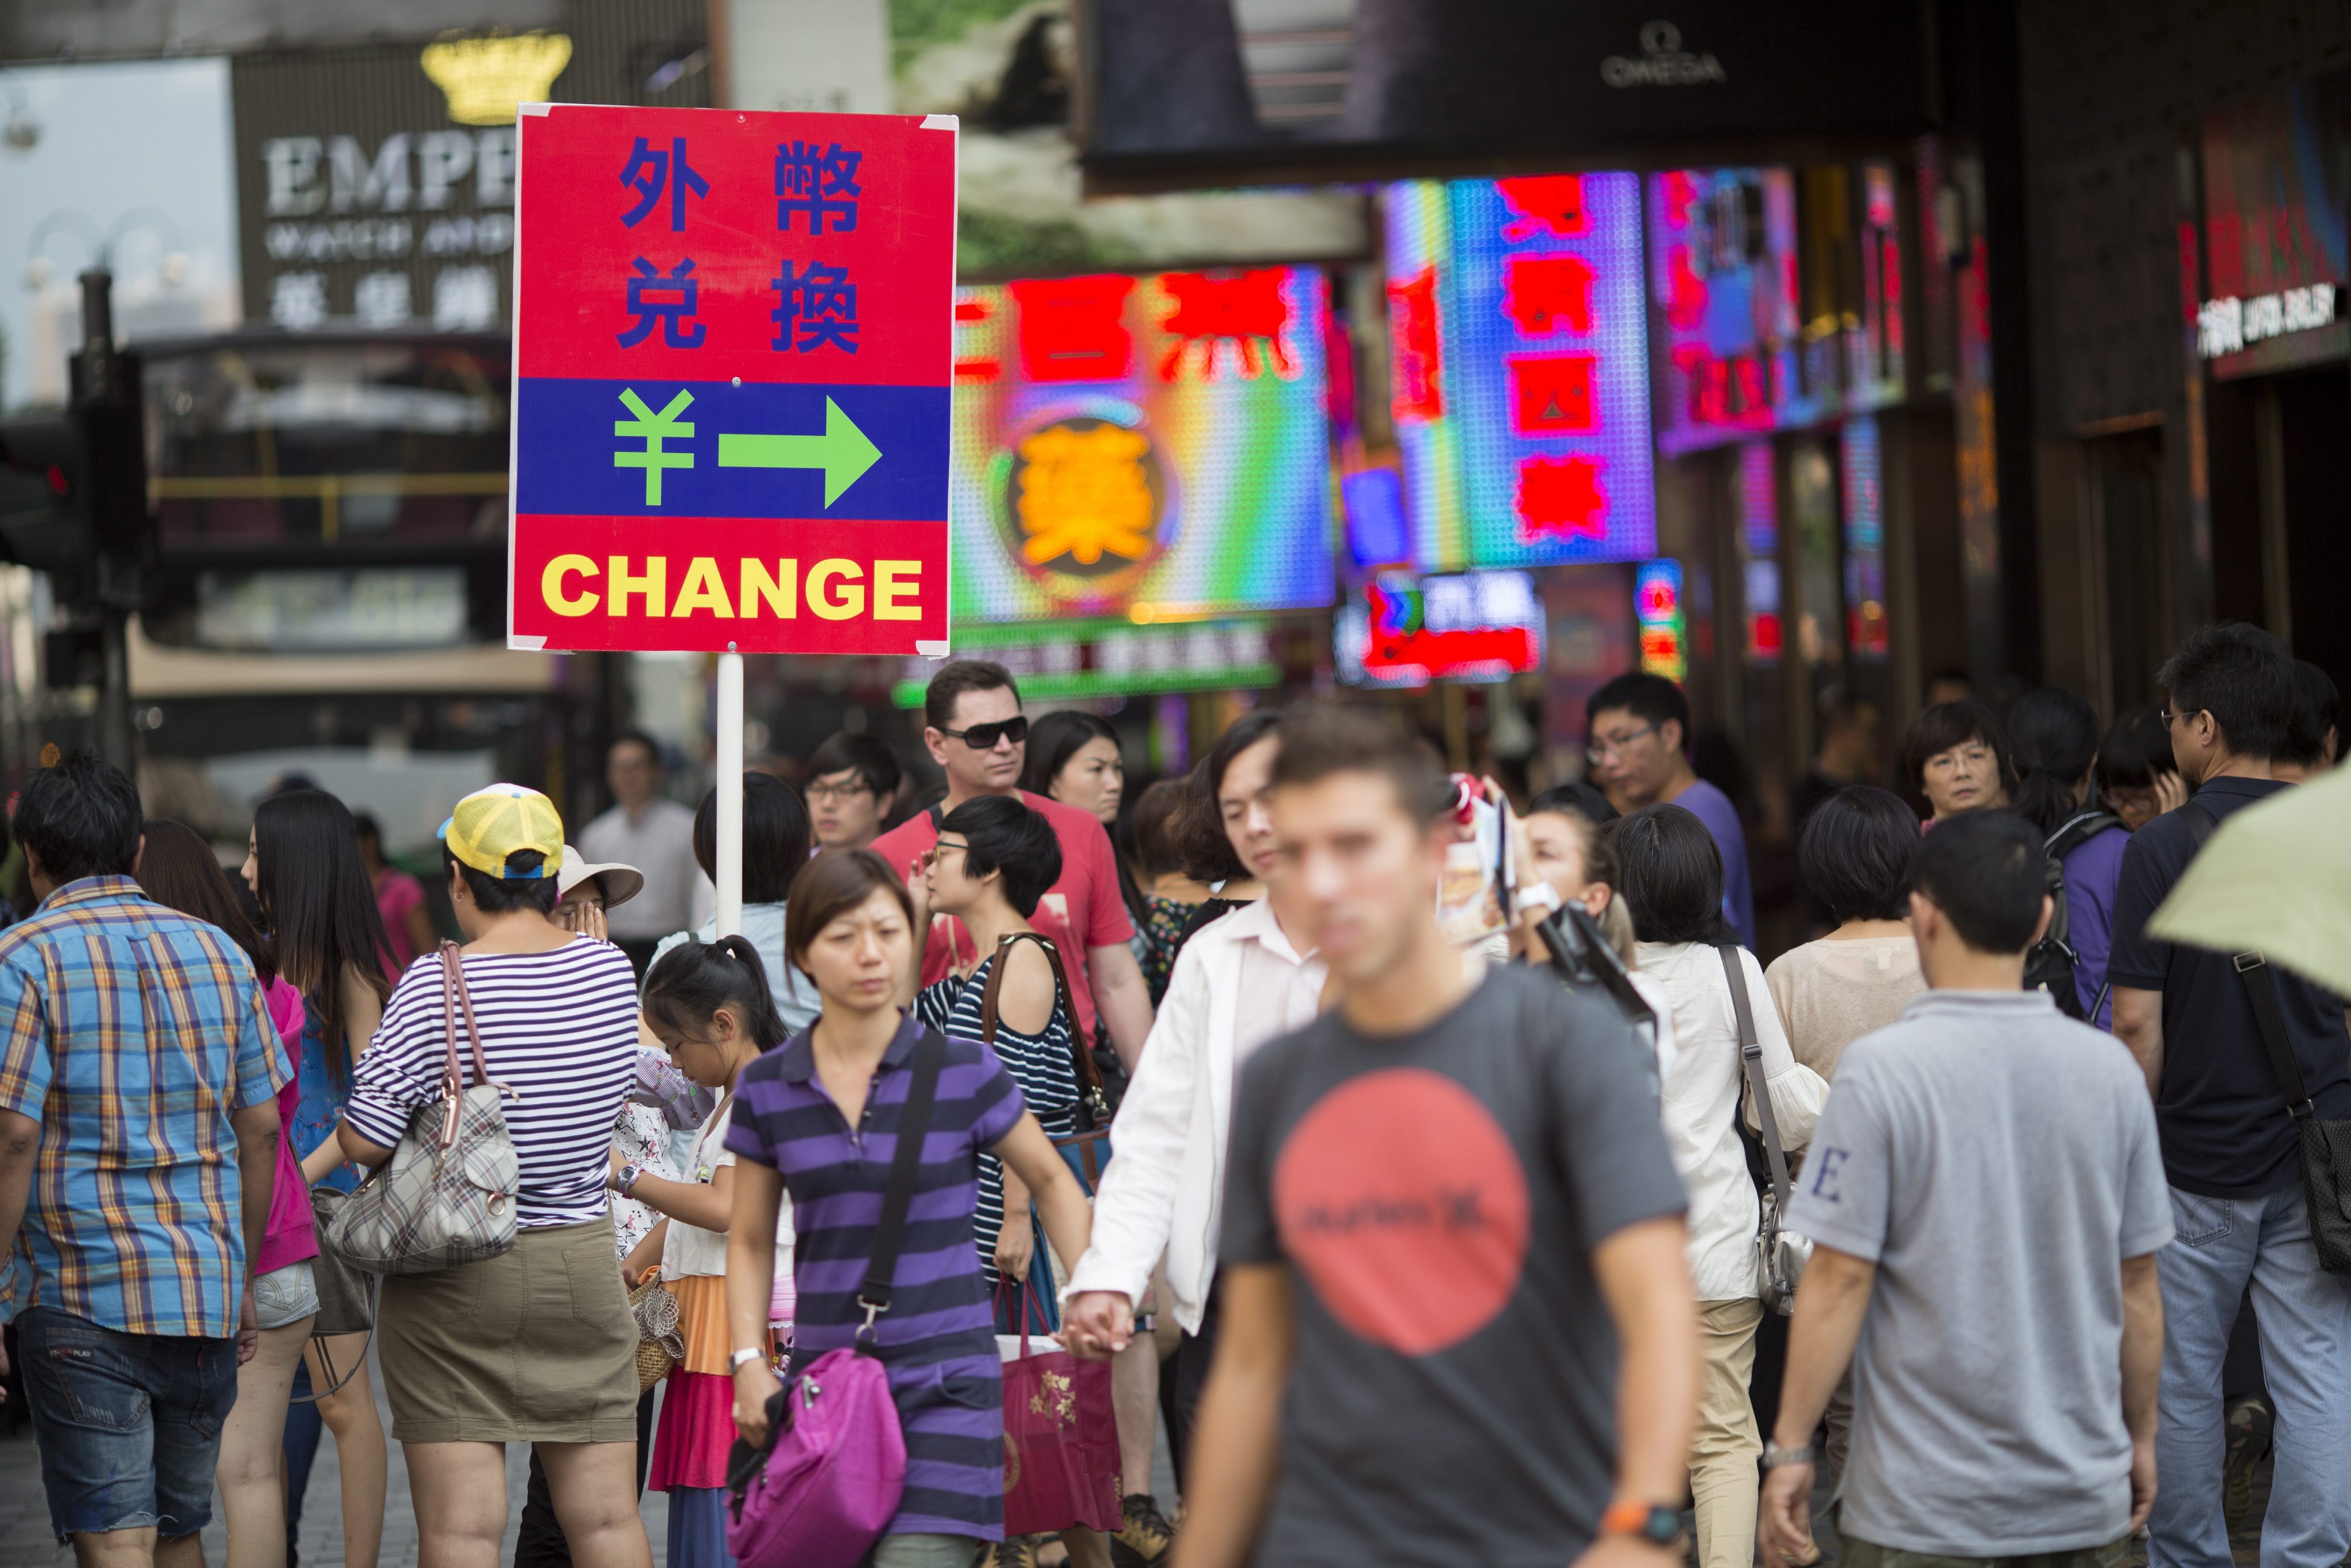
(820, 1496)
(831, 1478)
(1061, 1439)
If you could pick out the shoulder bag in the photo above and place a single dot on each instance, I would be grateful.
(829, 1477)
(1093, 1104)
(2325, 1145)
(446, 1197)
(1781, 1253)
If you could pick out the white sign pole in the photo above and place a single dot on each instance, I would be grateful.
(730, 794)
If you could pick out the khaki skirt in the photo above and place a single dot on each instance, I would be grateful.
(534, 1346)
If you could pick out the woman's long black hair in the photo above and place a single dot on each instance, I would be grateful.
(693, 980)
(320, 905)
(2053, 739)
(178, 869)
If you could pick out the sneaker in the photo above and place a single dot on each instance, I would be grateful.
(1016, 1551)
(2248, 1424)
(1143, 1534)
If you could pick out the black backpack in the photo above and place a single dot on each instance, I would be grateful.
(2049, 964)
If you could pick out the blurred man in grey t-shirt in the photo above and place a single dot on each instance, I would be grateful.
(1986, 1197)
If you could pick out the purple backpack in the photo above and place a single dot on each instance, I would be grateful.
(830, 1479)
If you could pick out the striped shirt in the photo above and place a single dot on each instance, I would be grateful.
(558, 1028)
(938, 1339)
(130, 1032)
(1041, 1063)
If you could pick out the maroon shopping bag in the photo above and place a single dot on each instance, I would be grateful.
(1061, 1439)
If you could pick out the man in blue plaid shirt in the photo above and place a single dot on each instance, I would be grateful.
(138, 1142)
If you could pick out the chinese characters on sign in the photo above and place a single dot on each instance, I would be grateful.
(1406, 630)
(1146, 448)
(714, 448)
(1520, 369)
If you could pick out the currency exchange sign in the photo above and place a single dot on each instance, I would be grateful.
(732, 358)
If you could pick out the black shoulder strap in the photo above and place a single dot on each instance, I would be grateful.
(938, 819)
(1090, 1083)
(1751, 1052)
(905, 1161)
(2260, 991)
(2079, 829)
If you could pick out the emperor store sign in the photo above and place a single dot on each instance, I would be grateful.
(336, 182)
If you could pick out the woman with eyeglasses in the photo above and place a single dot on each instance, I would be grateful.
(1957, 756)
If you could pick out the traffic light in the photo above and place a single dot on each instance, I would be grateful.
(45, 521)
(73, 485)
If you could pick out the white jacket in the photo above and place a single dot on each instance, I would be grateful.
(1164, 1190)
(1702, 1093)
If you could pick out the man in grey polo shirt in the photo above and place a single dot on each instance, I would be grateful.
(1986, 1196)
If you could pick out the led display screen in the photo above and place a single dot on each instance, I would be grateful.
(1520, 381)
(1749, 340)
(1406, 630)
(1116, 659)
(1152, 448)
(1665, 629)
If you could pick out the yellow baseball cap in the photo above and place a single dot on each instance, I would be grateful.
(494, 823)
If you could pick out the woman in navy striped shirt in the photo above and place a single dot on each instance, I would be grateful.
(993, 860)
(818, 1117)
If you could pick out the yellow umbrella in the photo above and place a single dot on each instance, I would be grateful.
(2276, 879)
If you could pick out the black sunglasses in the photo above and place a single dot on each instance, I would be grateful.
(984, 736)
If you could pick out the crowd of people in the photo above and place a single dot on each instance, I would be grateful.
(1416, 1251)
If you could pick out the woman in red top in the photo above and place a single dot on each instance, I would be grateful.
(407, 928)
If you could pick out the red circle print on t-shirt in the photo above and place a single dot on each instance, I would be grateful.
(1405, 1206)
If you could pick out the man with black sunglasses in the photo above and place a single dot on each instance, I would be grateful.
(978, 734)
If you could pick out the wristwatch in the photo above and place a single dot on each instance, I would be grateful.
(1774, 1456)
(627, 1178)
(744, 1357)
(1651, 1521)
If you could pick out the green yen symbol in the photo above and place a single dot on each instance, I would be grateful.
(654, 428)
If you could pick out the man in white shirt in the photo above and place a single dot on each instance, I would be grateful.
(1239, 982)
(655, 834)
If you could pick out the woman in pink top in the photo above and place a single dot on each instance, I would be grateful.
(178, 868)
(407, 926)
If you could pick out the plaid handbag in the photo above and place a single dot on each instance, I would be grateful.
(447, 1195)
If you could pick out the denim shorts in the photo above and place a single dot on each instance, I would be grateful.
(128, 1425)
(285, 1295)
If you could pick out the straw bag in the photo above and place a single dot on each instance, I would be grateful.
(660, 1346)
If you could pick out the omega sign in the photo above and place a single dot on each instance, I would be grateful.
(1663, 63)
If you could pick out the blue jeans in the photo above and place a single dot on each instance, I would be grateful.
(2305, 1317)
(128, 1425)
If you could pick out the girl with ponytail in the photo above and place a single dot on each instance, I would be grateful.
(710, 1004)
(2053, 743)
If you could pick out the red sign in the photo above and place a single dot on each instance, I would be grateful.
(732, 362)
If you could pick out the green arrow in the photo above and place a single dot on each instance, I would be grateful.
(842, 452)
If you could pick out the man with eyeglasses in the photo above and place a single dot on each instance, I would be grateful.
(852, 783)
(1639, 726)
(976, 733)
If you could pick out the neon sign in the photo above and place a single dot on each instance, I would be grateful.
(1152, 448)
(1406, 630)
(1519, 352)
(1664, 631)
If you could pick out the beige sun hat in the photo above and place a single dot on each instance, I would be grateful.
(621, 882)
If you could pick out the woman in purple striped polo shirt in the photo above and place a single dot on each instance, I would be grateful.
(818, 1117)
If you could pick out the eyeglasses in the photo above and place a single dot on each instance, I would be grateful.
(943, 846)
(1601, 750)
(2170, 718)
(984, 736)
(829, 794)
